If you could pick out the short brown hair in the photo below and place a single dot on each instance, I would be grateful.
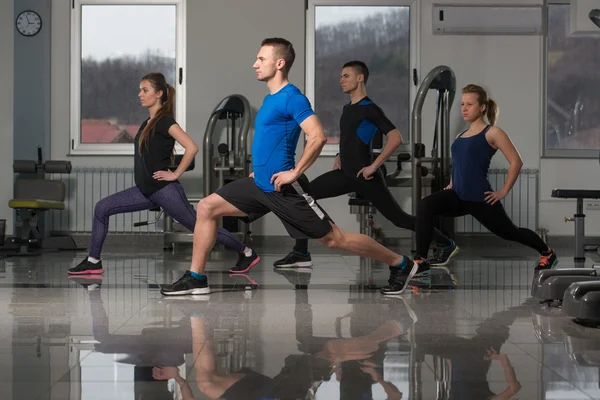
(283, 49)
(360, 67)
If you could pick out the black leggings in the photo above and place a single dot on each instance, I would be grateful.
(493, 217)
(336, 183)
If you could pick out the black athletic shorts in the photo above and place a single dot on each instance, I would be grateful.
(300, 214)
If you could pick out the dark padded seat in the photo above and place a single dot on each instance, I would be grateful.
(575, 194)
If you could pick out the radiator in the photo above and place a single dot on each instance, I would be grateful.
(85, 186)
(521, 204)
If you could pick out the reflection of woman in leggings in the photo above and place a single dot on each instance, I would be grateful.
(469, 191)
(155, 184)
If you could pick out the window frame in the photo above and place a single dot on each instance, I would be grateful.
(103, 149)
(331, 149)
(546, 152)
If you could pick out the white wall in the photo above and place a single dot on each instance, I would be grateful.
(221, 46)
(6, 110)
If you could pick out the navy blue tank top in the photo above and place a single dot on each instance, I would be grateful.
(471, 157)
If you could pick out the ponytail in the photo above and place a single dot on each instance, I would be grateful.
(491, 112)
(168, 106)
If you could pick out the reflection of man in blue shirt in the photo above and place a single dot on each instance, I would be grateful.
(279, 185)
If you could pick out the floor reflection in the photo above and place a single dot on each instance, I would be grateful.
(470, 332)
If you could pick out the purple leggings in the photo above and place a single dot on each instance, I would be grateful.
(171, 199)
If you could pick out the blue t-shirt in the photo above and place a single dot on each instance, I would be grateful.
(276, 133)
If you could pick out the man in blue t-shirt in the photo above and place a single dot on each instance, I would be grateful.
(277, 185)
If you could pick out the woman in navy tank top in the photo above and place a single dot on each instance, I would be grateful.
(469, 191)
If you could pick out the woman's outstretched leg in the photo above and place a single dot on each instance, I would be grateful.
(126, 201)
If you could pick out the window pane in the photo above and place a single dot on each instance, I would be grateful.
(377, 35)
(573, 75)
(119, 45)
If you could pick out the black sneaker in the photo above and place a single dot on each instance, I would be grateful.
(547, 261)
(442, 255)
(400, 277)
(245, 263)
(187, 284)
(85, 268)
(294, 259)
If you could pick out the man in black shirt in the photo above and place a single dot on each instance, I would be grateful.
(355, 170)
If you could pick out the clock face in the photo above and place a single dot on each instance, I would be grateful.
(28, 23)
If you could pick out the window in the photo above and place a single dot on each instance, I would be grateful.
(114, 44)
(572, 87)
(379, 34)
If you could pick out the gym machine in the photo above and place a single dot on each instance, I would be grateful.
(31, 198)
(578, 218)
(551, 285)
(443, 80)
(231, 161)
(576, 289)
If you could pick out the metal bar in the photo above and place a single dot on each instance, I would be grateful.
(416, 134)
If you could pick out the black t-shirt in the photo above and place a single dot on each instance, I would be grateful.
(358, 125)
(156, 156)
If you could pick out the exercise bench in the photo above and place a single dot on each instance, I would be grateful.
(34, 196)
(578, 217)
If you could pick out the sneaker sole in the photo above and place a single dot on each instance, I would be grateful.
(186, 292)
(412, 273)
(455, 252)
(193, 298)
(88, 277)
(88, 272)
(241, 271)
(301, 264)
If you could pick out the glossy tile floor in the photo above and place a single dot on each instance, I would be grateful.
(323, 333)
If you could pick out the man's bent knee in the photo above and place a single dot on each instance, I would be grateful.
(208, 207)
(334, 239)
